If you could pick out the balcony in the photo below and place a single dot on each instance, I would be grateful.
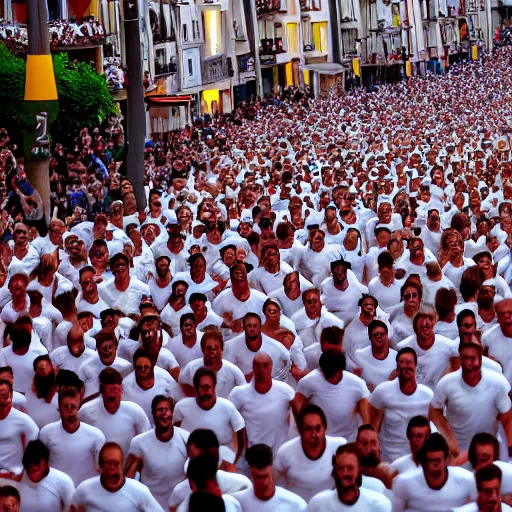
(215, 69)
(165, 69)
(267, 7)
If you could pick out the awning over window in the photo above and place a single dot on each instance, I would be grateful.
(168, 101)
(325, 68)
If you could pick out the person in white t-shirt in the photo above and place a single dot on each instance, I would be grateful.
(228, 375)
(16, 430)
(340, 394)
(106, 357)
(303, 464)
(74, 446)
(204, 442)
(206, 492)
(208, 411)
(261, 399)
(497, 341)
(72, 355)
(43, 488)
(470, 400)
(378, 361)
(112, 490)
(436, 487)
(148, 381)
(266, 496)
(89, 298)
(348, 493)
(42, 397)
(186, 346)
(394, 403)
(159, 454)
(418, 431)
(160, 286)
(385, 287)
(119, 420)
(9, 496)
(488, 484)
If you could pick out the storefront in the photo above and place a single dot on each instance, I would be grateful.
(168, 113)
(323, 76)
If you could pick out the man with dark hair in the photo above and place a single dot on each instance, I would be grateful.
(394, 403)
(204, 316)
(242, 349)
(302, 464)
(43, 488)
(186, 346)
(266, 496)
(206, 410)
(160, 453)
(348, 492)
(16, 430)
(111, 490)
(9, 499)
(471, 400)
(338, 393)
(269, 276)
(488, 484)
(119, 420)
(73, 445)
(75, 353)
(438, 486)
(418, 431)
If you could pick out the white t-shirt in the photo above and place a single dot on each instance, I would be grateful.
(51, 494)
(132, 497)
(182, 353)
(16, 430)
(411, 492)
(338, 401)
(403, 464)
(368, 501)
(160, 295)
(256, 409)
(63, 359)
(90, 370)
(238, 353)
(470, 410)
(163, 462)
(228, 377)
(473, 507)
(432, 363)
(222, 418)
(121, 427)
(230, 504)
(226, 302)
(96, 308)
(375, 371)
(398, 410)
(129, 300)
(498, 345)
(171, 317)
(265, 282)
(40, 410)
(388, 296)
(75, 454)
(228, 483)
(282, 501)
(164, 385)
(304, 476)
(22, 366)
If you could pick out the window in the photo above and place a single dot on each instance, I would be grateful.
(292, 37)
(212, 32)
(307, 34)
(185, 32)
(320, 36)
(348, 38)
(238, 20)
(196, 34)
(278, 31)
(190, 67)
(160, 62)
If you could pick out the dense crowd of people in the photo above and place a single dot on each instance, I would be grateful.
(313, 312)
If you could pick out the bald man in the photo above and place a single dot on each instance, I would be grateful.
(261, 399)
(74, 353)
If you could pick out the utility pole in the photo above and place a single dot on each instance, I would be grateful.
(40, 101)
(136, 114)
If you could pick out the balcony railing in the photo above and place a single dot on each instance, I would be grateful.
(215, 69)
(165, 69)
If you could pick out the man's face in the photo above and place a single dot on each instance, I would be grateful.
(368, 447)
(467, 326)
(5, 396)
(271, 257)
(120, 268)
(346, 470)
(143, 368)
(107, 352)
(99, 257)
(416, 249)
(484, 455)
(262, 368)
(339, 274)
(313, 431)
(73, 246)
(17, 287)
(75, 344)
(199, 308)
(112, 465)
(252, 327)
(384, 213)
(188, 328)
(489, 496)
(425, 327)
(163, 415)
(312, 305)
(9, 504)
(418, 436)
(379, 338)
(68, 409)
(505, 321)
(36, 472)
(383, 238)
(317, 241)
(212, 351)
(198, 269)
(368, 308)
(205, 393)
(112, 394)
(88, 284)
(181, 290)
(21, 235)
(485, 264)
(435, 464)
(239, 274)
(411, 298)
(263, 481)
(406, 366)
(292, 286)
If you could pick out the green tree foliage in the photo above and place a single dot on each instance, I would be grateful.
(84, 97)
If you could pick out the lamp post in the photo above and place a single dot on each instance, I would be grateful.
(40, 101)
